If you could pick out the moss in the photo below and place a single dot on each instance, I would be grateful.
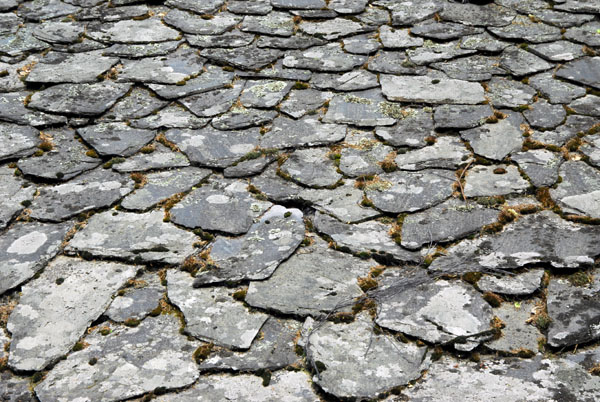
(595, 369)
(148, 149)
(437, 353)
(367, 283)
(240, 294)
(366, 202)
(492, 119)
(202, 352)
(320, 366)
(46, 145)
(3, 73)
(300, 85)
(543, 321)
(472, 277)
(430, 140)
(228, 68)
(132, 322)
(37, 377)
(78, 346)
(521, 108)
(204, 235)
(363, 255)
(92, 154)
(342, 318)
(490, 201)
(580, 278)
(266, 377)
(104, 331)
(113, 161)
(493, 299)
(59, 281)
(499, 170)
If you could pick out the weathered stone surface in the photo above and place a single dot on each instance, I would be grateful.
(57, 67)
(520, 62)
(19, 141)
(194, 24)
(13, 110)
(365, 108)
(329, 57)
(134, 50)
(459, 219)
(540, 165)
(138, 103)
(579, 189)
(588, 105)
(555, 90)
(214, 102)
(331, 29)
(543, 115)
(213, 78)
(138, 301)
(484, 181)
(311, 167)
(277, 70)
(477, 14)
(585, 70)
(214, 148)
(410, 191)
(496, 140)
(508, 93)
(275, 23)
(350, 81)
(523, 28)
(431, 90)
(364, 157)
(557, 51)
(27, 249)
(134, 237)
(397, 38)
(81, 99)
(443, 30)
(446, 153)
(172, 116)
(518, 336)
(394, 62)
(586, 33)
(461, 116)
(406, 12)
(471, 68)
(433, 52)
(591, 149)
(15, 389)
(245, 57)
(20, 42)
(205, 7)
(14, 192)
(129, 363)
(518, 285)
(302, 102)
(161, 157)
(133, 31)
(233, 38)
(206, 206)
(230, 323)
(296, 41)
(484, 42)
(176, 67)
(116, 138)
(258, 253)
(412, 129)
(162, 185)
(375, 364)
(241, 117)
(361, 44)
(371, 236)
(539, 238)
(315, 281)
(249, 167)
(264, 94)
(52, 314)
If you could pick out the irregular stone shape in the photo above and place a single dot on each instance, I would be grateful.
(565, 20)
(401, 191)
(509, 93)
(126, 359)
(172, 116)
(555, 90)
(22, 41)
(249, 167)
(240, 117)
(517, 335)
(411, 130)
(437, 312)
(138, 103)
(79, 99)
(518, 285)
(327, 58)
(446, 153)
(296, 41)
(483, 42)
(394, 62)
(471, 68)
(331, 29)
(233, 38)
(299, 4)
(231, 324)
(162, 157)
(406, 12)
(132, 31)
(115, 138)
(171, 69)
(274, 348)
(133, 50)
(540, 165)
(194, 24)
(315, 281)
(277, 70)
(275, 187)
(539, 238)
(214, 148)
(258, 253)
(58, 67)
(365, 108)
(361, 44)
(18, 141)
(206, 207)
(53, 314)
(460, 219)
(311, 167)
(488, 15)
(433, 52)
(134, 237)
(523, 28)
(370, 236)
(428, 90)
(376, 364)
(212, 103)
(66, 160)
(496, 140)
(578, 189)
(13, 110)
(364, 158)
(543, 115)
(246, 57)
(15, 389)
(585, 70)
(96, 189)
(162, 185)
(27, 248)
(212, 78)
(586, 33)
(588, 105)
(38, 10)
(292, 386)
(205, 7)
(579, 6)
(347, 6)
(302, 102)
(561, 50)
(461, 116)
(397, 38)
(574, 125)
(137, 302)
(343, 202)
(14, 192)
(275, 23)
(351, 81)
(591, 149)
(574, 311)
(481, 181)
(520, 62)
(264, 94)
(442, 30)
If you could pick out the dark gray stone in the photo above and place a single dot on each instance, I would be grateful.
(214, 102)
(245, 57)
(411, 130)
(116, 138)
(471, 68)
(555, 90)
(543, 115)
(14, 110)
(488, 15)
(331, 29)
(172, 116)
(135, 50)
(585, 70)
(162, 157)
(171, 69)
(432, 52)
(350, 81)
(540, 165)
(366, 108)
(588, 105)
(240, 117)
(520, 62)
(579, 189)
(327, 58)
(523, 28)
(138, 103)
(14, 192)
(302, 102)
(443, 30)
(213, 78)
(311, 167)
(509, 93)
(18, 141)
(307, 131)
(561, 50)
(461, 116)
(394, 62)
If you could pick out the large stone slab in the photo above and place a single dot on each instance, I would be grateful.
(585, 70)
(446, 153)
(245, 57)
(174, 68)
(496, 140)
(258, 253)
(13, 110)
(325, 58)
(307, 131)
(133, 31)
(213, 78)
(128, 362)
(579, 188)
(311, 167)
(524, 28)
(431, 90)
(519, 285)
(134, 237)
(540, 165)
(138, 301)
(58, 67)
(56, 308)
(13, 193)
(162, 157)
(115, 138)
(230, 324)
(343, 202)
(18, 141)
(487, 181)
(365, 108)
(411, 130)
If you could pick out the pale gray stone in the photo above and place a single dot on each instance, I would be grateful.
(365, 108)
(138, 103)
(214, 102)
(13, 110)
(406, 12)
(14, 192)
(311, 167)
(591, 149)
(161, 157)
(481, 181)
(518, 285)
(432, 52)
(579, 190)
(540, 165)
(264, 94)
(446, 153)
(555, 90)
(397, 38)
(520, 62)
(133, 31)
(172, 116)
(331, 29)
(461, 116)
(213, 78)
(431, 90)
(302, 102)
(365, 157)
(355, 80)
(205, 7)
(58, 67)
(329, 57)
(246, 57)
(138, 301)
(275, 23)
(517, 335)
(496, 140)
(411, 130)
(115, 138)
(240, 117)
(523, 28)
(176, 67)
(560, 50)
(544, 115)
(193, 23)
(509, 93)
(488, 15)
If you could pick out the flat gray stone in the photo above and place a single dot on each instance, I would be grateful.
(517, 335)
(138, 103)
(311, 167)
(561, 50)
(27, 249)
(402, 191)
(212, 103)
(52, 314)
(115, 138)
(134, 50)
(240, 117)
(18, 141)
(585, 70)
(432, 52)
(578, 189)
(214, 148)
(13, 193)
(79, 99)
(249, 167)
(275, 23)
(585, 33)
(206, 207)
(369, 237)
(138, 301)
(483, 42)
(488, 15)
(591, 149)
(574, 125)
(233, 38)
(588, 105)
(411, 130)
(162, 185)
(162, 157)
(96, 189)
(258, 253)
(544, 115)
(471, 68)
(364, 158)
(446, 153)
(296, 41)
(431, 90)
(377, 362)
(361, 44)
(539, 238)
(520, 62)
(193, 23)
(172, 116)
(230, 324)
(213, 78)
(555, 90)
(302, 102)
(22, 41)
(481, 181)
(540, 165)
(509, 93)
(496, 140)
(461, 116)
(264, 94)
(518, 285)
(398, 38)
(15, 389)
(171, 69)
(331, 29)
(460, 219)
(133, 31)
(442, 30)
(406, 12)
(273, 349)
(58, 67)
(13, 110)
(327, 58)
(276, 70)
(245, 57)
(523, 28)
(394, 62)
(133, 237)
(365, 108)
(351, 81)
(126, 359)
(347, 6)
(206, 7)
(315, 281)
(299, 4)
(343, 202)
